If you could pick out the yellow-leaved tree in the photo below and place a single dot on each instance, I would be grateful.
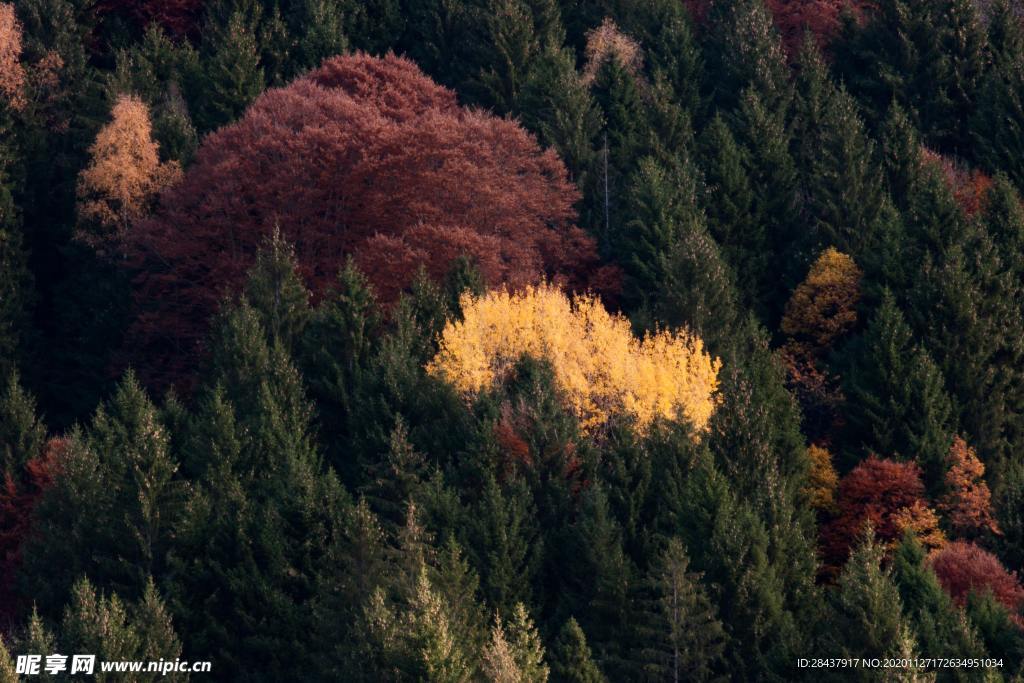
(125, 175)
(598, 363)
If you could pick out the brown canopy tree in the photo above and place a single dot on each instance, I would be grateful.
(365, 157)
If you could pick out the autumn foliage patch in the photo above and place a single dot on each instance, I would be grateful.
(364, 157)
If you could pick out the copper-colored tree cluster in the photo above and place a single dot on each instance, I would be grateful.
(12, 73)
(365, 157)
(887, 494)
(963, 567)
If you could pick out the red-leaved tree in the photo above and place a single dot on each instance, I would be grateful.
(18, 497)
(364, 156)
(963, 567)
(887, 494)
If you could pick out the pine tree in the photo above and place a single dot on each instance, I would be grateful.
(571, 659)
(515, 652)
(836, 159)
(684, 639)
(866, 617)
(927, 56)
(937, 622)
(113, 509)
(276, 292)
(7, 670)
(996, 130)
(232, 75)
(997, 629)
(731, 214)
(320, 31)
(395, 479)
(507, 545)
(514, 37)
(744, 52)
(15, 279)
(897, 403)
(21, 431)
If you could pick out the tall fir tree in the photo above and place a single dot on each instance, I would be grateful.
(684, 641)
(232, 74)
(897, 405)
(997, 134)
(570, 657)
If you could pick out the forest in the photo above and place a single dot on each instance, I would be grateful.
(513, 340)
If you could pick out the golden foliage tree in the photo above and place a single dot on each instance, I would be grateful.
(823, 479)
(823, 306)
(598, 363)
(967, 503)
(125, 175)
(12, 74)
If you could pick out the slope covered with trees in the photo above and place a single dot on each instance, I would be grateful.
(513, 340)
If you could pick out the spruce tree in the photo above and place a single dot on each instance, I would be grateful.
(683, 638)
(111, 514)
(997, 132)
(21, 432)
(997, 629)
(927, 56)
(839, 173)
(897, 405)
(744, 51)
(15, 279)
(866, 618)
(276, 292)
(938, 624)
(8, 673)
(570, 657)
(232, 75)
(731, 214)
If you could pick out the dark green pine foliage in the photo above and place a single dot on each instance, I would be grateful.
(966, 305)
(1008, 504)
(759, 125)
(927, 56)
(112, 513)
(507, 544)
(114, 630)
(664, 29)
(756, 443)
(839, 172)
(514, 37)
(22, 433)
(996, 626)
(597, 580)
(897, 405)
(728, 543)
(375, 26)
(866, 612)
(558, 107)
(232, 74)
(1003, 217)
(937, 623)
(395, 479)
(15, 278)
(337, 350)
(683, 639)
(570, 658)
(731, 214)
(276, 292)
(997, 125)
(623, 142)
(743, 51)
(320, 28)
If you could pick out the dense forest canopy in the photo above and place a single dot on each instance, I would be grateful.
(513, 340)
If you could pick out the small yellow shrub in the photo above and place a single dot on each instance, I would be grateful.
(598, 363)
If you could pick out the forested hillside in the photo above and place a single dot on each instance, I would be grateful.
(513, 340)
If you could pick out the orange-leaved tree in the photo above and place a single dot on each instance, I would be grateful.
(967, 502)
(12, 74)
(124, 177)
(600, 366)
